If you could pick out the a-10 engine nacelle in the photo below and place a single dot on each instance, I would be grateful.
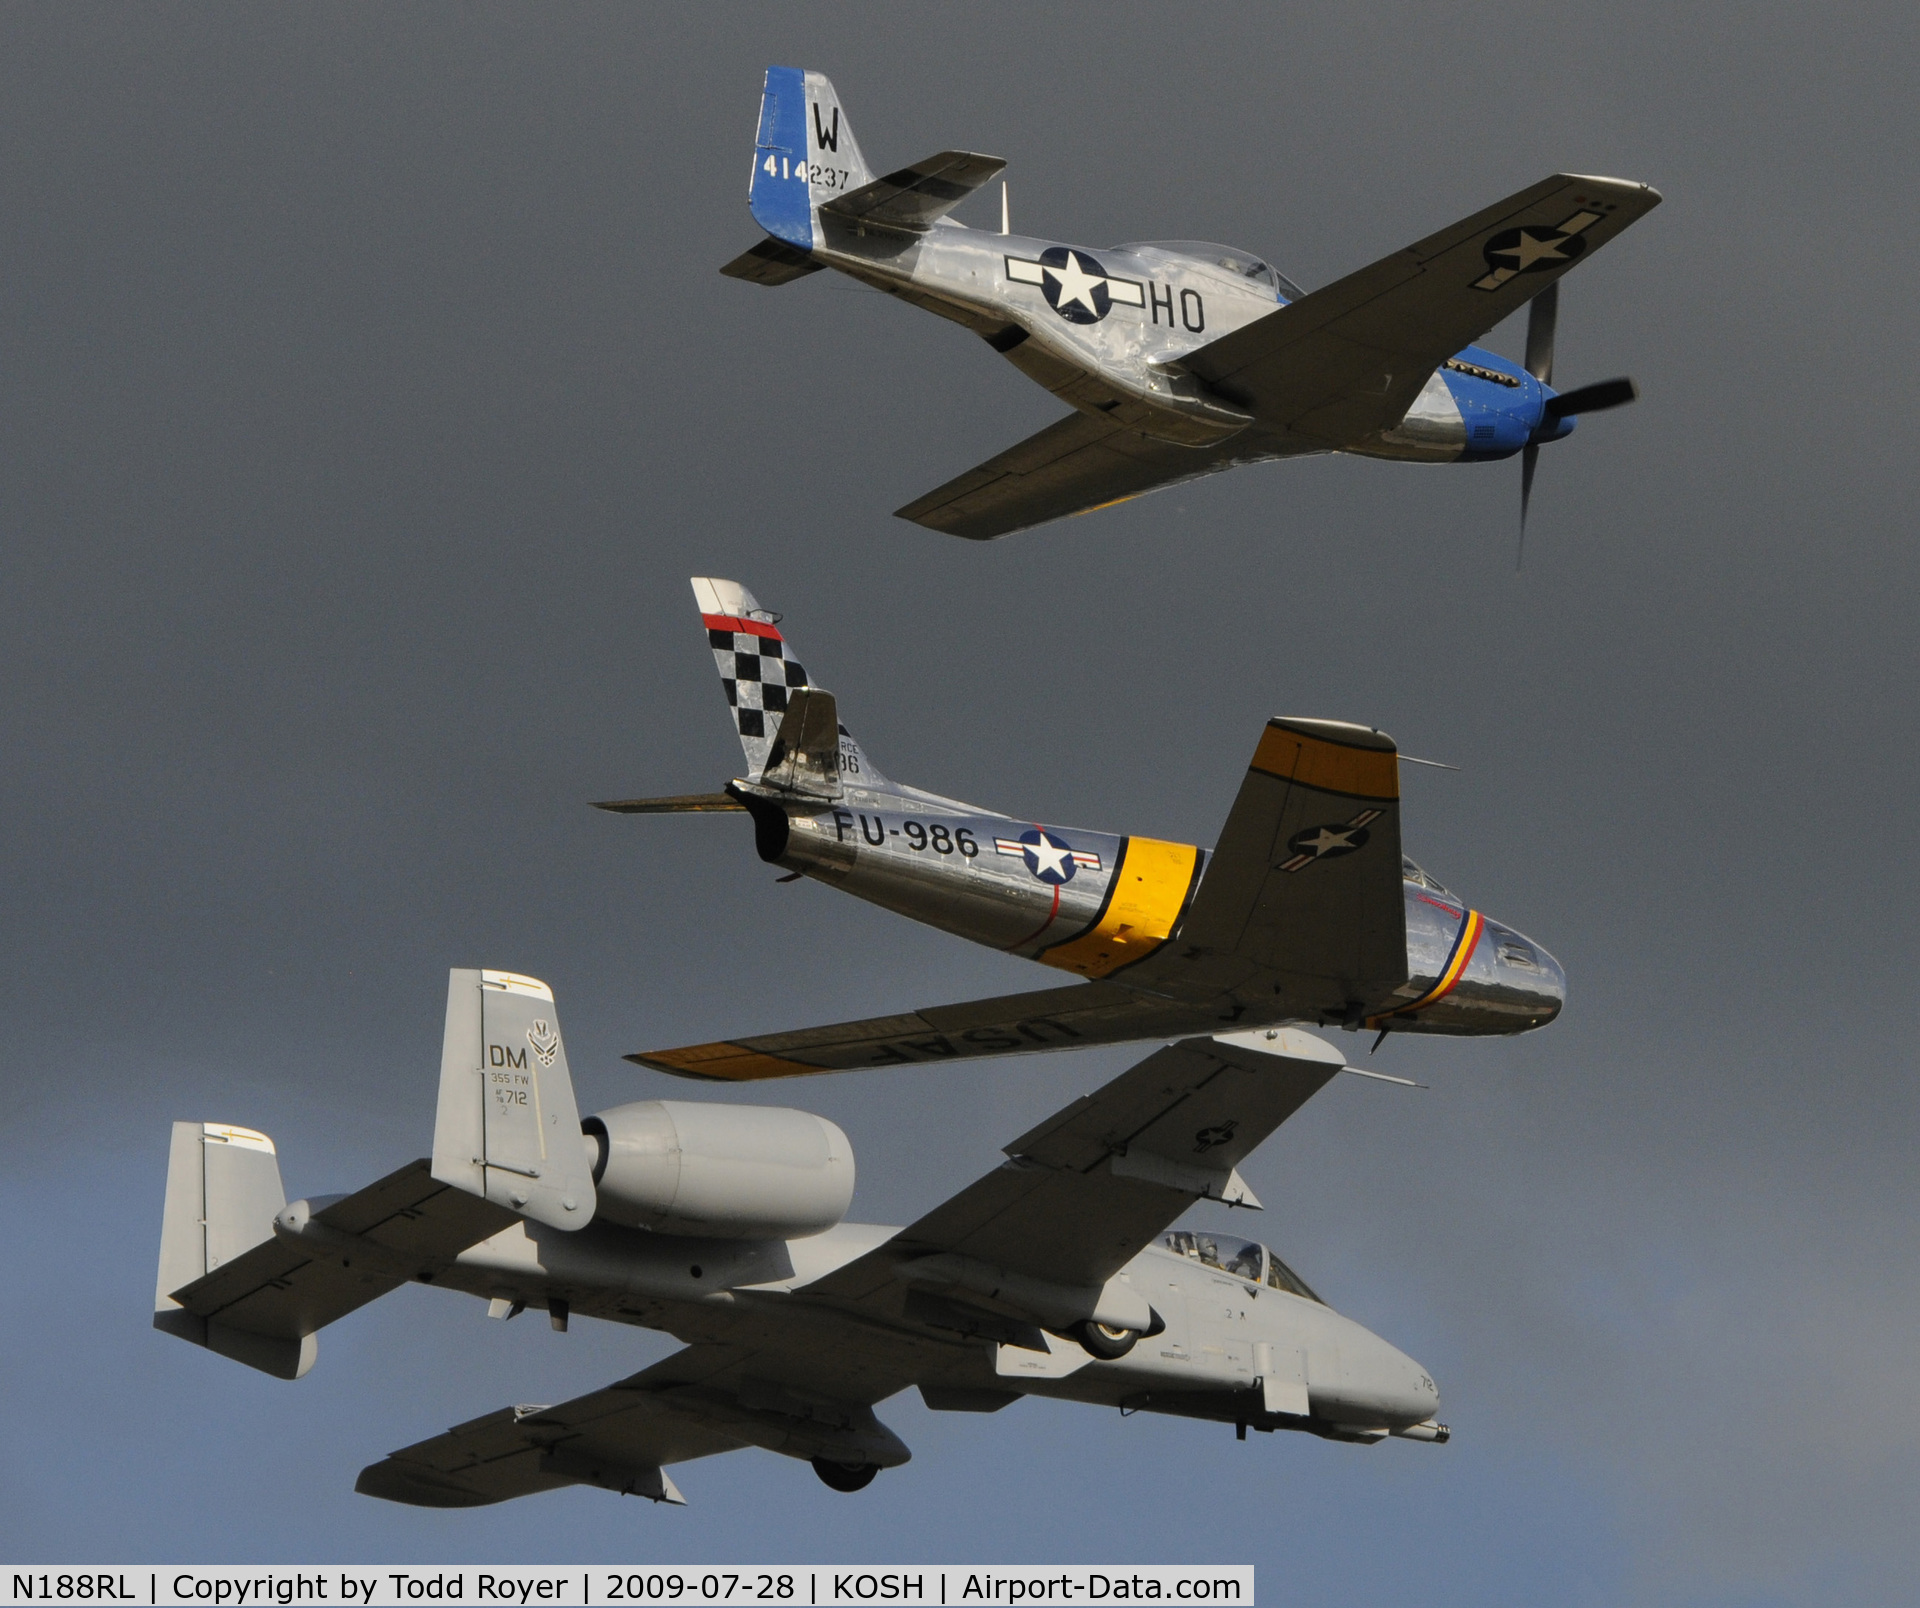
(719, 1171)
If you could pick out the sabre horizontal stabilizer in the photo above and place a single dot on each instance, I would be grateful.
(917, 197)
(679, 804)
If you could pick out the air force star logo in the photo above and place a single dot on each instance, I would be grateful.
(1533, 248)
(1327, 842)
(1075, 285)
(1049, 858)
(545, 1042)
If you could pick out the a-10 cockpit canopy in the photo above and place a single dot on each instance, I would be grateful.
(1235, 261)
(1246, 1259)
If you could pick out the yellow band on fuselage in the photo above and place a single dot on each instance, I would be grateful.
(1150, 889)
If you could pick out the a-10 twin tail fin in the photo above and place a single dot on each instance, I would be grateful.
(249, 1276)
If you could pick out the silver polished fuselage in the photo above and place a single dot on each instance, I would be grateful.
(1103, 903)
(1117, 352)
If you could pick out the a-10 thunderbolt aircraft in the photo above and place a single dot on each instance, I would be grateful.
(1056, 1274)
(1183, 358)
(1305, 912)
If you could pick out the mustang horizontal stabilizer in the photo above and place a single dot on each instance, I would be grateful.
(1306, 881)
(772, 262)
(1349, 359)
(917, 197)
(1073, 466)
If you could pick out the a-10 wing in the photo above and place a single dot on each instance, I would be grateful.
(1079, 1196)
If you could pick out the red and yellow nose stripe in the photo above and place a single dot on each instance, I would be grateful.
(1464, 943)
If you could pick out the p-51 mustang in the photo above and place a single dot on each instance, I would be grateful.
(1183, 358)
(722, 1225)
(1305, 912)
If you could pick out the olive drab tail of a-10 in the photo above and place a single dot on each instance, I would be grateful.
(762, 681)
(804, 156)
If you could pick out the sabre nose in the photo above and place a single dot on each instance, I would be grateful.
(1530, 982)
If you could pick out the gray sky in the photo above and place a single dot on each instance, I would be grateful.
(368, 396)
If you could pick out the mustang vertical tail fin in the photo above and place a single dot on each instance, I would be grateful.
(759, 675)
(805, 155)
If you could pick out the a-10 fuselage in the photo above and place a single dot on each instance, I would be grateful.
(1098, 904)
(1232, 1312)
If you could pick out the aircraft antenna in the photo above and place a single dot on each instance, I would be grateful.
(1006, 227)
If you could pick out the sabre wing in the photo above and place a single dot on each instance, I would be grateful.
(1076, 1017)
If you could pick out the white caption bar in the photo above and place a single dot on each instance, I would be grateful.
(647, 1585)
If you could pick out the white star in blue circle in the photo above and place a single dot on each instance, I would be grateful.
(1048, 858)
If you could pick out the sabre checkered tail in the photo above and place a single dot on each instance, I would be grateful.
(759, 673)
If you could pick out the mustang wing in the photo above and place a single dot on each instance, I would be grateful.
(1074, 1017)
(1349, 359)
(1073, 466)
(1306, 880)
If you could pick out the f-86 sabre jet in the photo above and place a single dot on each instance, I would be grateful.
(1183, 358)
(1056, 1274)
(1305, 912)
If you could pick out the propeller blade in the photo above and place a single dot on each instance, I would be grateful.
(1592, 398)
(1543, 313)
(1528, 460)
